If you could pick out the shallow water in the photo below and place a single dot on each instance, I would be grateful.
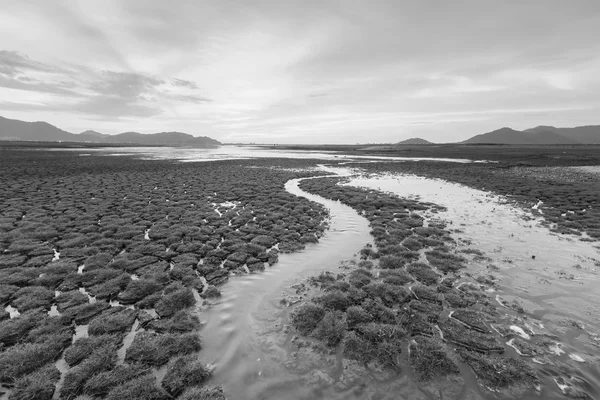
(553, 277)
(186, 154)
(240, 326)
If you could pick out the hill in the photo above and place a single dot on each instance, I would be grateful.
(589, 134)
(12, 129)
(511, 136)
(413, 141)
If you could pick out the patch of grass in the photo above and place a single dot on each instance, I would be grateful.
(23, 359)
(457, 333)
(396, 277)
(183, 372)
(175, 301)
(357, 315)
(181, 321)
(84, 313)
(207, 393)
(499, 372)
(104, 382)
(55, 328)
(423, 273)
(142, 388)
(388, 293)
(85, 346)
(137, 290)
(111, 288)
(115, 320)
(12, 330)
(211, 292)
(32, 297)
(70, 299)
(306, 317)
(430, 359)
(101, 360)
(39, 385)
(333, 300)
(6, 292)
(156, 349)
(331, 328)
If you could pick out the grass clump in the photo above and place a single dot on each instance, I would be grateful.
(70, 299)
(430, 360)
(331, 328)
(499, 372)
(210, 393)
(184, 372)
(22, 359)
(175, 301)
(142, 388)
(333, 300)
(396, 277)
(101, 360)
(137, 290)
(85, 346)
(211, 292)
(84, 313)
(306, 317)
(13, 329)
(39, 385)
(32, 297)
(99, 385)
(114, 320)
(423, 273)
(181, 321)
(156, 349)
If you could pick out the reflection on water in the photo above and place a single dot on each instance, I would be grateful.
(554, 278)
(188, 154)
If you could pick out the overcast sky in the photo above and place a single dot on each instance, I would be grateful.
(323, 71)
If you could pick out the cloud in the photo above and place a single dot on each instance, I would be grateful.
(325, 70)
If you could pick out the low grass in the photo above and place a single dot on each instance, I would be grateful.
(115, 320)
(85, 346)
(39, 385)
(70, 299)
(11, 330)
(32, 297)
(306, 317)
(23, 359)
(101, 360)
(84, 313)
(99, 385)
(207, 393)
(175, 301)
(184, 372)
(430, 359)
(141, 388)
(137, 290)
(180, 322)
(499, 372)
(155, 349)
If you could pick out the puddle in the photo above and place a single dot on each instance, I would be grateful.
(239, 325)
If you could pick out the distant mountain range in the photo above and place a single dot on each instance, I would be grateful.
(540, 135)
(415, 141)
(12, 129)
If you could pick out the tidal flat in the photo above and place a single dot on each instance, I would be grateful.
(295, 278)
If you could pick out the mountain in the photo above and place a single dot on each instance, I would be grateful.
(163, 138)
(12, 129)
(415, 141)
(589, 134)
(511, 136)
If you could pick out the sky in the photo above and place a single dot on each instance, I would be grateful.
(278, 71)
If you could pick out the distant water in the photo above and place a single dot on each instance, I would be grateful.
(187, 154)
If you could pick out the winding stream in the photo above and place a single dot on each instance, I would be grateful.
(240, 325)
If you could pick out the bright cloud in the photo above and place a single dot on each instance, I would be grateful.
(306, 71)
